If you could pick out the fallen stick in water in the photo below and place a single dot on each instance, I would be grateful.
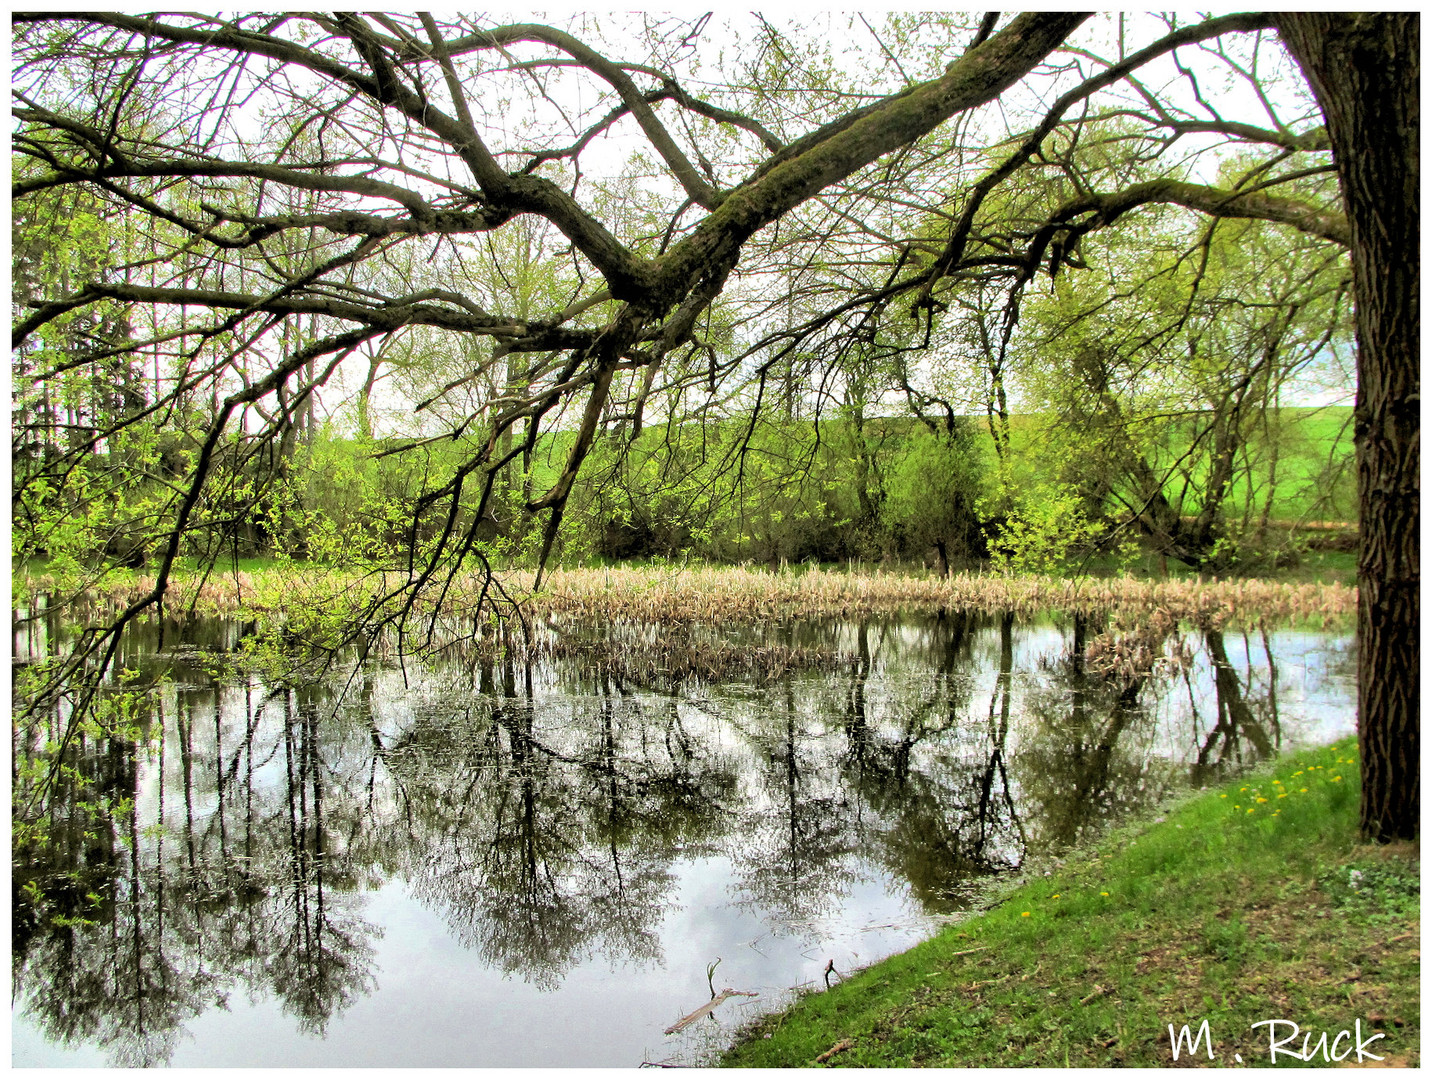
(692, 1017)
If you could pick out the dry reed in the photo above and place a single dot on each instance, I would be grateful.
(716, 595)
(674, 659)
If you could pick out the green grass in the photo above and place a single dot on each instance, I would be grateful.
(1211, 912)
(1307, 438)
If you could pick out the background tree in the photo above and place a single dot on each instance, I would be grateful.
(1164, 370)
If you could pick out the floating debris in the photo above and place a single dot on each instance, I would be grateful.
(692, 1017)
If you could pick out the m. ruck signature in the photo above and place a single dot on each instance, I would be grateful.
(1183, 1041)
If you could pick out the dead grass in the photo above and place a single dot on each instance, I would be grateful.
(726, 594)
(713, 595)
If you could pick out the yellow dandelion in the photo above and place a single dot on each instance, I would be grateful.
(1224, 796)
(1250, 809)
(1262, 800)
(1055, 896)
(1024, 914)
(1283, 795)
(1302, 789)
(1103, 894)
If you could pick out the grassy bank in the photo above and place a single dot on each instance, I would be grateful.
(1251, 902)
(671, 594)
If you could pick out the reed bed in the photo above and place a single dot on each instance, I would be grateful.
(676, 659)
(716, 595)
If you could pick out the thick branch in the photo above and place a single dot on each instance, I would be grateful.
(524, 337)
(806, 167)
(1327, 224)
(215, 167)
(1310, 141)
(626, 274)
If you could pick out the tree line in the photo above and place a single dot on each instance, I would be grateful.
(1163, 424)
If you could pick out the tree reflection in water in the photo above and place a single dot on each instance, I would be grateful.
(1089, 756)
(542, 851)
(544, 809)
(1240, 736)
(950, 818)
(194, 901)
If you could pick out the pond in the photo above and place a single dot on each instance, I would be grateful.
(486, 862)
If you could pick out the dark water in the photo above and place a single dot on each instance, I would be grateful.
(488, 864)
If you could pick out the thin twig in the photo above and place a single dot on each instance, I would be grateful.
(1099, 991)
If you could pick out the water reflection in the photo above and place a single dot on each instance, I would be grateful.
(548, 810)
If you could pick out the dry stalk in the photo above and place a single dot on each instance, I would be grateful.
(697, 1014)
(844, 1044)
(713, 595)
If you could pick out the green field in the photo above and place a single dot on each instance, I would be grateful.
(1312, 469)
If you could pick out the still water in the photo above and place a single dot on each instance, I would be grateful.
(485, 863)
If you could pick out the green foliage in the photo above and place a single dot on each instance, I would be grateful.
(1044, 531)
(1160, 367)
(1379, 891)
(935, 491)
(784, 490)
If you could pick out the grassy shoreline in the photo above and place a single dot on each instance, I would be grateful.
(672, 594)
(1247, 903)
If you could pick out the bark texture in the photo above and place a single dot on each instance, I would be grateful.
(1364, 68)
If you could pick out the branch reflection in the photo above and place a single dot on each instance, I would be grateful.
(547, 806)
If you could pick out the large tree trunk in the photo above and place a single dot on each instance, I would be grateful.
(1364, 68)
